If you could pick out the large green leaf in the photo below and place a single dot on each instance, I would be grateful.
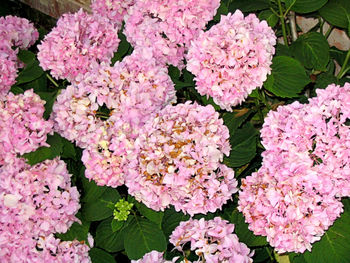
(337, 13)
(312, 50)
(31, 72)
(248, 5)
(76, 231)
(305, 6)
(154, 216)
(334, 245)
(243, 144)
(98, 210)
(92, 191)
(244, 234)
(270, 17)
(171, 220)
(288, 77)
(143, 237)
(107, 239)
(100, 256)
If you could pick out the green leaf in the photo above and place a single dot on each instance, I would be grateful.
(26, 56)
(312, 50)
(100, 256)
(306, 6)
(143, 237)
(31, 72)
(288, 77)
(92, 192)
(44, 153)
(116, 225)
(249, 5)
(269, 16)
(245, 235)
(211, 102)
(171, 220)
(76, 231)
(337, 13)
(222, 10)
(338, 55)
(334, 245)
(243, 144)
(16, 90)
(68, 150)
(234, 120)
(154, 216)
(98, 210)
(50, 98)
(107, 239)
(323, 80)
(123, 48)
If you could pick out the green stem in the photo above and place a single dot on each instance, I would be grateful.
(264, 100)
(343, 69)
(329, 31)
(288, 9)
(269, 252)
(282, 17)
(52, 80)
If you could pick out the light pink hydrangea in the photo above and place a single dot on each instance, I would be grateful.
(114, 10)
(232, 58)
(22, 127)
(179, 154)
(168, 26)
(19, 32)
(8, 76)
(154, 257)
(295, 196)
(213, 241)
(77, 41)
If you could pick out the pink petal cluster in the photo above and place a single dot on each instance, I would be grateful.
(77, 41)
(295, 196)
(154, 257)
(213, 241)
(133, 90)
(168, 26)
(179, 154)
(22, 127)
(36, 202)
(232, 58)
(114, 10)
(15, 33)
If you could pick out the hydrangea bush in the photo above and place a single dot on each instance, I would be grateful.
(176, 131)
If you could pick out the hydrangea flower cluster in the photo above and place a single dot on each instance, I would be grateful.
(133, 90)
(232, 58)
(114, 10)
(212, 240)
(36, 201)
(179, 155)
(122, 210)
(154, 256)
(295, 196)
(22, 127)
(77, 41)
(15, 33)
(168, 26)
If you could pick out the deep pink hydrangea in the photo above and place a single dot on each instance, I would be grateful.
(114, 10)
(179, 155)
(154, 257)
(77, 41)
(295, 196)
(19, 32)
(213, 241)
(22, 126)
(168, 26)
(232, 58)
(8, 76)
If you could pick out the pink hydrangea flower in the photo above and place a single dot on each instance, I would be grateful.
(8, 76)
(168, 26)
(152, 257)
(179, 154)
(19, 32)
(295, 196)
(114, 10)
(22, 127)
(232, 58)
(212, 240)
(77, 41)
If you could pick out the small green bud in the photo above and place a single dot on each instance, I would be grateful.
(122, 210)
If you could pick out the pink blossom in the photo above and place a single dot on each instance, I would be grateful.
(179, 154)
(168, 26)
(152, 257)
(212, 240)
(77, 41)
(232, 58)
